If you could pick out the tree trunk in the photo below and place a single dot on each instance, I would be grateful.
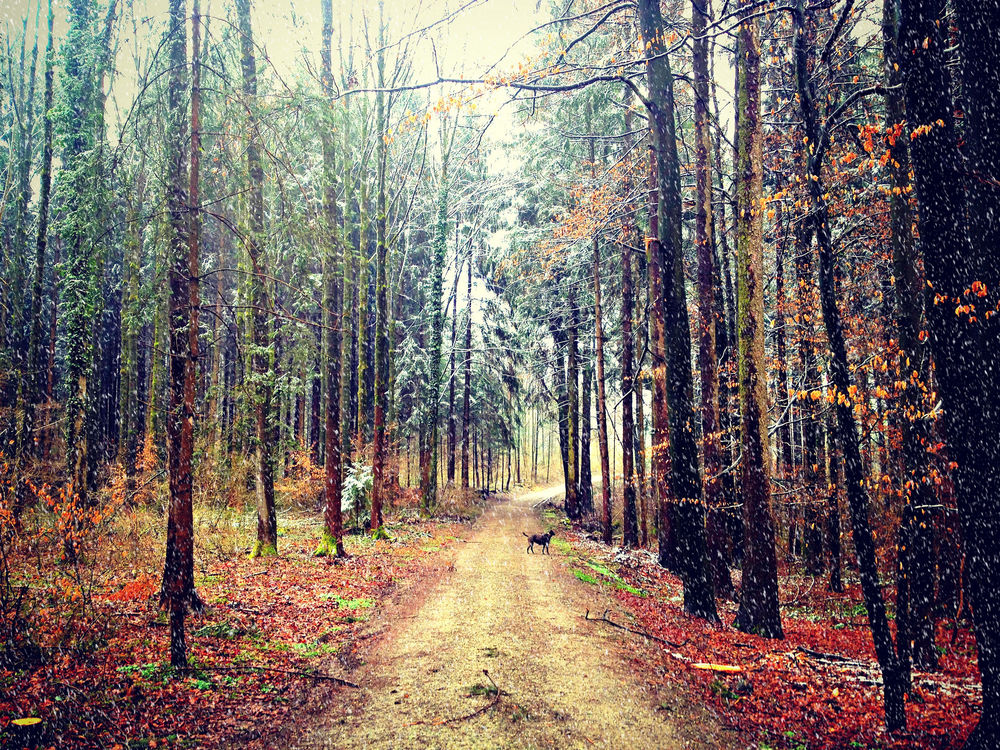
(630, 536)
(660, 444)
(758, 612)
(685, 480)
(847, 436)
(958, 235)
(332, 542)
(585, 488)
(467, 386)
(707, 362)
(572, 412)
(915, 548)
(178, 591)
(262, 357)
(602, 422)
(428, 487)
(452, 419)
(380, 484)
(833, 518)
(35, 369)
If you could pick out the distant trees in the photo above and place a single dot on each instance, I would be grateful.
(78, 133)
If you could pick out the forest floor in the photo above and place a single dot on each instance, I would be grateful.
(274, 631)
(498, 619)
(818, 687)
(455, 638)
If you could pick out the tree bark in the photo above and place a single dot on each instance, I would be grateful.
(685, 479)
(178, 591)
(758, 612)
(467, 386)
(572, 412)
(630, 527)
(332, 542)
(847, 436)
(958, 235)
(380, 484)
(35, 369)
(915, 547)
(707, 362)
(262, 355)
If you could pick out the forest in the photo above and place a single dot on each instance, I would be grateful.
(309, 310)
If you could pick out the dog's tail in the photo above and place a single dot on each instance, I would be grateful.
(523, 534)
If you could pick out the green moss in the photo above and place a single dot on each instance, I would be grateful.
(327, 546)
(313, 650)
(585, 577)
(263, 550)
(224, 629)
(560, 545)
(603, 570)
(616, 580)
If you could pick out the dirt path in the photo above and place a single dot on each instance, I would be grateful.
(564, 683)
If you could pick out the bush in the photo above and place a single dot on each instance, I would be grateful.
(356, 500)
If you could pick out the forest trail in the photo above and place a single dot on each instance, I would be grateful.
(564, 682)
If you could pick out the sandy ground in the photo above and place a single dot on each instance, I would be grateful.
(563, 681)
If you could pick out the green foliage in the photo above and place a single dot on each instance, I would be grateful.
(480, 688)
(356, 498)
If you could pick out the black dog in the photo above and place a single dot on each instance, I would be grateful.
(542, 539)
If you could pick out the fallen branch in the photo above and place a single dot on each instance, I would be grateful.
(545, 500)
(481, 709)
(604, 618)
(823, 655)
(292, 672)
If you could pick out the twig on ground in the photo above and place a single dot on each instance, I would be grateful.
(481, 709)
(604, 618)
(823, 655)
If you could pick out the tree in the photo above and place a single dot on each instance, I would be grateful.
(956, 200)
(631, 538)
(380, 437)
(758, 611)
(77, 132)
(915, 586)
(684, 479)
(467, 381)
(707, 360)
(333, 273)
(261, 344)
(816, 136)
(178, 591)
(35, 368)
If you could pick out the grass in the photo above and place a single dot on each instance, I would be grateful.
(615, 580)
(360, 603)
(481, 689)
(585, 577)
(560, 545)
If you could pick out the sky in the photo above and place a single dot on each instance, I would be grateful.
(467, 38)
(477, 36)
